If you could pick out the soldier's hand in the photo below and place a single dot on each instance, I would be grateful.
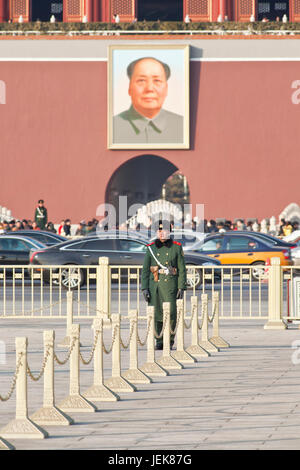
(146, 294)
(180, 293)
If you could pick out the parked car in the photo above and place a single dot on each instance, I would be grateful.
(47, 238)
(16, 249)
(120, 249)
(188, 238)
(278, 242)
(235, 248)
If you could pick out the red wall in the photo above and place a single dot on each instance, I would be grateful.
(245, 138)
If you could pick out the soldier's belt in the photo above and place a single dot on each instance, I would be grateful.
(168, 271)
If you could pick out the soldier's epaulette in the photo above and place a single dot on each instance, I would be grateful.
(176, 243)
(149, 244)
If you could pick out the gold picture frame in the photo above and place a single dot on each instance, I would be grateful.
(131, 124)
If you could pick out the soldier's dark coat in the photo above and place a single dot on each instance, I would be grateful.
(169, 253)
(41, 217)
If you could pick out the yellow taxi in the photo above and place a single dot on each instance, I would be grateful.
(234, 248)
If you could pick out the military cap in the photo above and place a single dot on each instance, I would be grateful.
(163, 225)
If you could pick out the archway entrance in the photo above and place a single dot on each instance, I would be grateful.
(272, 9)
(140, 179)
(176, 189)
(42, 10)
(153, 10)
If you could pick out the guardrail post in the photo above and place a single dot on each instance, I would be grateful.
(195, 349)
(49, 414)
(67, 339)
(180, 354)
(103, 284)
(117, 383)
(22, 427)
(166, 360)
(216, 339)
(205, 343)
(98, 391)
(74, 401)
(151, 367)
(275, 321)
(134, 374)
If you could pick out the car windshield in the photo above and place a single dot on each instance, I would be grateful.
(185, 239)
(14, 243)
(214, 244)
(35, 243)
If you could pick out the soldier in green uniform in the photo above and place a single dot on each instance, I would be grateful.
(163, 277)
(41, 215)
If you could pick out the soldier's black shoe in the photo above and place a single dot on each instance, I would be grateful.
(171, 345)
(159, 347)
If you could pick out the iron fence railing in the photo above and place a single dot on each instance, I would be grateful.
(40, 291)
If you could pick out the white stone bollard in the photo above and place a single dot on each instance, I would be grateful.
(134, 374)
(103, 290)
(216, 339)
(117, 383)
(205, 343)
(180, 354)
(22, 427)
(98, 391)
(67, 339)
(195, 349)
(151, 367)
(166, 360)
(75, 401)
(275, 321)
(49, 414)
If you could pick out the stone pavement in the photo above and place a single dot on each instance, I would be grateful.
(244, 397)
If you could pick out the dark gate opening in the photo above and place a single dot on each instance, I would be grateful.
(273, 9)
(166, 10)
(141, 179)
(42, 10)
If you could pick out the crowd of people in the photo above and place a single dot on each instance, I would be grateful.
(63, 229)
(84, 228)
(285, 227)
(41, 222)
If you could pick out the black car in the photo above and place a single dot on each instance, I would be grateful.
(277, 242)
(120, 249)
(16, 249)
(42, 236)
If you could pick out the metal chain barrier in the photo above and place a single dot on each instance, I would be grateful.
(40, 309)
(176, 326)
(14, 380)
(88, 361)
(126, 346)
(68, 355)
(194, 312)
(200, 324)
(213, 315)
(93, 309)
(29, 372)
(109, 350)
(143, 343)
(159, 336)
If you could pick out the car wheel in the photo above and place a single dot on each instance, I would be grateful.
(193, 277)
(258, 270)
(72, 277)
